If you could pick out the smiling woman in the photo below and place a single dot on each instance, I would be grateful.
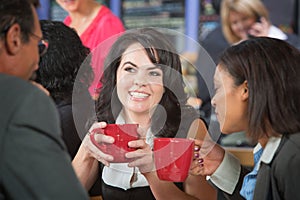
(143, 84)
(139, 81)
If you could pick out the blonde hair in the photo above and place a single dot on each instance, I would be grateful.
(250, 8)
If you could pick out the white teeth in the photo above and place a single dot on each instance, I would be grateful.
(138, 95)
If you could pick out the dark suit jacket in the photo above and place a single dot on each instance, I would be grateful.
(278, 179)
(34, 163)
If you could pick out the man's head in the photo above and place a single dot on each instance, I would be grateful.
(20, 34)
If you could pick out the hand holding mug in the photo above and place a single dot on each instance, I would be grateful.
(207, 157)
(121, 134)
(142, 157)
(98, 138)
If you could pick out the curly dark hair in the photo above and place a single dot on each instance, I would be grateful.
(157, 46)
(65, 57)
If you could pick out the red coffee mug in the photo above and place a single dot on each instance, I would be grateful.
(173, 157)
(122, 133)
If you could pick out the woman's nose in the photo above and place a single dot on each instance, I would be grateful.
(140, 80)
(240, 25)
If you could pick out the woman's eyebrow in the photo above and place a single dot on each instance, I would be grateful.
(134, 65)
(130, 63)
(153, 67)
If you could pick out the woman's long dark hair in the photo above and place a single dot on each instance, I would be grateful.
(271, 69)
(157, 46)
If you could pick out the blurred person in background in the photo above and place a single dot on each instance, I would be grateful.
(94, 24)
(241, 19)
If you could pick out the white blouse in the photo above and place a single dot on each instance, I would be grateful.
(275, 32)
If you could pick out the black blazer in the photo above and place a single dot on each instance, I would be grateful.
(279, 179)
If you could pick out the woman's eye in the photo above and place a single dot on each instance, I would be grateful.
(129, 69)
(155, 73)
(245, 19)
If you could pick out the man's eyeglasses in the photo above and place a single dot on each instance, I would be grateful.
(43, 44)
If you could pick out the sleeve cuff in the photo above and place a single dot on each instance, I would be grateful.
(227, 174)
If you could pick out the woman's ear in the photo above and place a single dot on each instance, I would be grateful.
(13, 39)
(245, 91)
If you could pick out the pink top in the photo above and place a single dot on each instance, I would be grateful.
(105, 25)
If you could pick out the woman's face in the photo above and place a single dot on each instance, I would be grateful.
(70, 5)
(139, 81)
(230, 102)
(240, 24)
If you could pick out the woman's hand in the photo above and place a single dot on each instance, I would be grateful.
(143, 156)
(207, 157)
(260, 28)
(99, 138)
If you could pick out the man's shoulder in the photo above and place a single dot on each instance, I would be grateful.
(15, 92)
(11, 86)
(24, 104)
(14, 84)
